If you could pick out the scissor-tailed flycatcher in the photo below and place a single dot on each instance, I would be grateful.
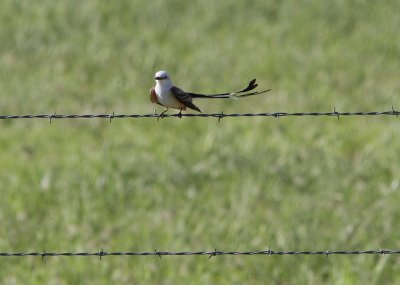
(170, 96)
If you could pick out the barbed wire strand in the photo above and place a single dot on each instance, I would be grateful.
(219, 116)
(213, 253)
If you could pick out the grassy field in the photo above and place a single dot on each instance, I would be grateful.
(196, 184)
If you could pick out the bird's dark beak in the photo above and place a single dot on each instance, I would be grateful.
(158, 78)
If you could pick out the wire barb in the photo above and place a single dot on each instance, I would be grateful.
(101, 253)
(157, 253)
(214, 253)
(112, 116)
(221, 115)
(335, 112)
(395, 112)
(51, 116)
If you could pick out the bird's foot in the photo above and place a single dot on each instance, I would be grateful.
(180, 114)
(162, 114)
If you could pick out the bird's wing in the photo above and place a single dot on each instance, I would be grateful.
(181, 95)
(184, 98)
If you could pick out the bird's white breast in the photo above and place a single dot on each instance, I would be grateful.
(165, 96)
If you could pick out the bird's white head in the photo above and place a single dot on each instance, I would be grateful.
(162, 78)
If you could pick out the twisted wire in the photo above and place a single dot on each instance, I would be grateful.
(215, 252)
(219, 116)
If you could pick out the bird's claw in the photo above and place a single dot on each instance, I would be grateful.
(161, 115)
(180, 114)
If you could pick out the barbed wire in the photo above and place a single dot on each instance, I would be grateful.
(219, 116)
(210, 254)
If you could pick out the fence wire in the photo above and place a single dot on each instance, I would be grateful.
(210, 254)
(219, 116)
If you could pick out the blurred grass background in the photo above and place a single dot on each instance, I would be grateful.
(196, 184)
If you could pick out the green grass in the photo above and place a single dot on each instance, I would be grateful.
(196, 184)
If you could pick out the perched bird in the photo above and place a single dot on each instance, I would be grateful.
(170, 96)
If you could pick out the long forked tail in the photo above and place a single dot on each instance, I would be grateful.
(233, 95)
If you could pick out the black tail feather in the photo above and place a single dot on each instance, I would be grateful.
(237, 94)
(252, 85)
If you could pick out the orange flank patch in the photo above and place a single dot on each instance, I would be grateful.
(153, 97)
